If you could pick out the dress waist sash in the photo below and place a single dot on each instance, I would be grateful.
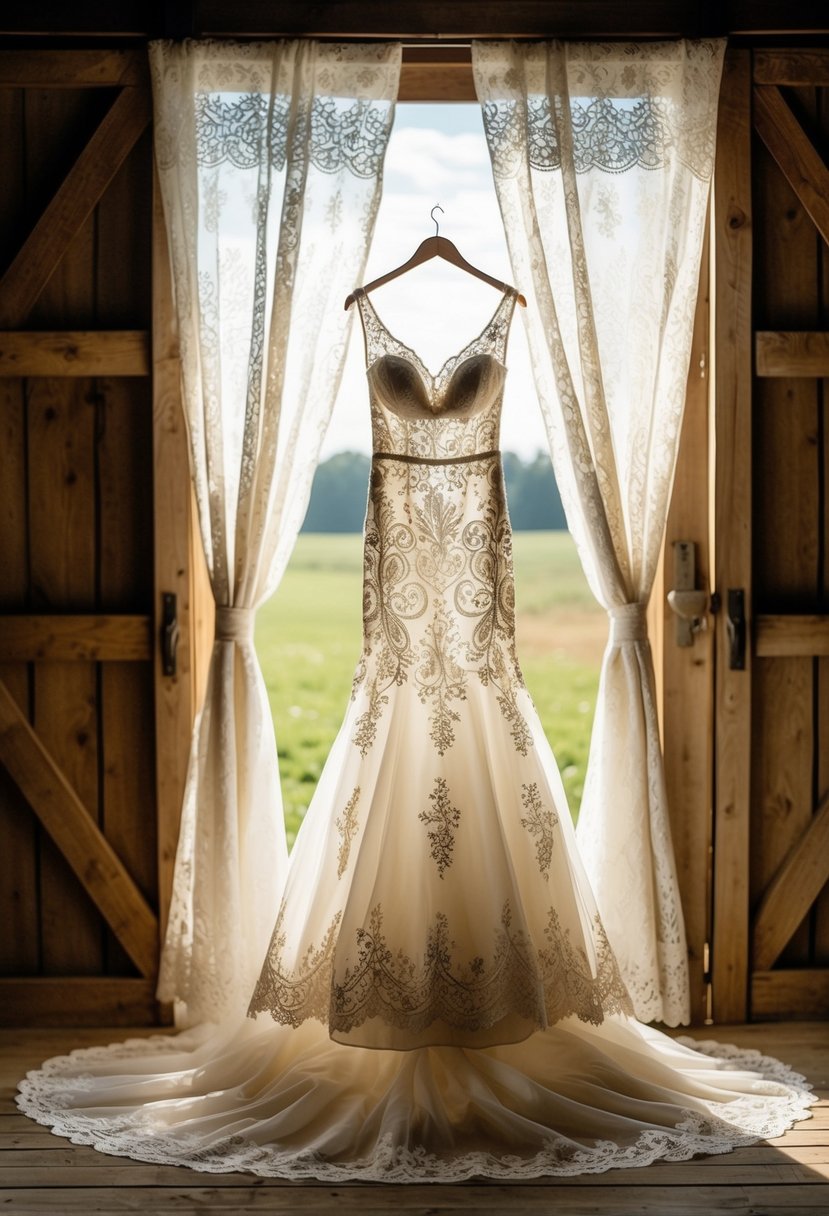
(435, 459)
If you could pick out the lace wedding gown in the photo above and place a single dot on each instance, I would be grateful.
(439, 1000)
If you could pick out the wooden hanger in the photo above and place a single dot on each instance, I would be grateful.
(436, 246)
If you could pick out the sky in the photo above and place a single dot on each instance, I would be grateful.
(438, 154)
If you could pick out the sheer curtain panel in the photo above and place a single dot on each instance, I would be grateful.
(270, 160)
(602, 157)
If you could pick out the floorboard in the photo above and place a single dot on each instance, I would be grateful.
(41, 1173)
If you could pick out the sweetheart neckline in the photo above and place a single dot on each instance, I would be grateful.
(432, 395)
(435, 378)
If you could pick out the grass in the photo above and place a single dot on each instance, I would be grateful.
(308, 638)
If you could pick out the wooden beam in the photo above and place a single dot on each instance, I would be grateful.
(797, 157)
(789, 994)
(434, 19)
(792, 67)
(733, 513)
(437, 74)
(63, 639)
(175, 696)
(72, 69)
(790, 636)
(74, 201)
(779, 353)
(792, 891)
(75, 353)
(77, 1001)
(78, 837)
(687, 673)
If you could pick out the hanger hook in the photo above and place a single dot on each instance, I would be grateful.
(437, 207)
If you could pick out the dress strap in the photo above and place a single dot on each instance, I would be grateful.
(374, 333)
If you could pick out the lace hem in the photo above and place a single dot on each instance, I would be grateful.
(750, 1120)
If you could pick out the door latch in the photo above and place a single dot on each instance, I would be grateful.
(169, 633)
(689, 605)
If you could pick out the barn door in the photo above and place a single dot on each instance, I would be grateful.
(771, 827)
(94, 528)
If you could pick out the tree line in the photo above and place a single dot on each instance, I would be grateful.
(338, 496)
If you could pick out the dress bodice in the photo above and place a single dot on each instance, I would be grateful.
(454, 413)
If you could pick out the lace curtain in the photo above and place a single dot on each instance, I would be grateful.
(602, 157)
(270, 158)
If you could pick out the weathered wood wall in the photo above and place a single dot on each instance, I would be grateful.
(76, 527)
(771, 851)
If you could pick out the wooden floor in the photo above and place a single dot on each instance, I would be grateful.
(42, 1173)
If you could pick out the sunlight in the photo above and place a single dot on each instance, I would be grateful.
(438, 154)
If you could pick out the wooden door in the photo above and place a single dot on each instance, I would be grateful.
(94, 526)
(771, 829)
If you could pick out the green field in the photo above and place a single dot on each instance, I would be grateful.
(308, 638)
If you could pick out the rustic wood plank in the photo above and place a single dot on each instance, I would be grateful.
(101, 353)
(103, 68)
(91, 637)
(791, 354)
(732, 522)
(436, 82)
(72, 204)
(62, 525)
(78, 837)
(794, 152)
(791, 634)
(786, 544)
(65, 702)
(589, 1200)
(790, 993)
(429, 19)
(174, 696)
(790, 894)
(781, 784)
(820, 917)
(687, 673)
(19, 940)
(103, 1171)
(125, 504)
(77, 1001)
(800, 66)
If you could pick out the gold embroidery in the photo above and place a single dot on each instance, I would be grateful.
(440, 679)
(424, 521)
(346, 825)
(442, 821)
(540, 823)
(541, 985)
(303, 993)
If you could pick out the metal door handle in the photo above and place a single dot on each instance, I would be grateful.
(736, 628)
(169, 633)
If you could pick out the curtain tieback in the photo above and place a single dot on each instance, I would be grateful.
(628, 623)
(234, 624)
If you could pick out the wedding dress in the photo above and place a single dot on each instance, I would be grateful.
(439, 1000)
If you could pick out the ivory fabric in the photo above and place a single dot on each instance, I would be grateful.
(270, 160)
(602, 157)
(439, 1000)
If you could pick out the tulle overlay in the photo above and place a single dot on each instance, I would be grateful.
(284, 1102)
(439, 1000)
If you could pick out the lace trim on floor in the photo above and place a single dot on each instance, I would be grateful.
(43, 1097)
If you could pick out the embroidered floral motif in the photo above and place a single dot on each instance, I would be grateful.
(442, 821)
(346, 825)
(303, 992)
(541, 985)
(540, 822)
(439, 678)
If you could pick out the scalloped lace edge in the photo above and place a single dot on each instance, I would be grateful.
(750, 1120)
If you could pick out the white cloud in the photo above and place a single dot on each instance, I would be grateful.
(431, 160)
(436, 308)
